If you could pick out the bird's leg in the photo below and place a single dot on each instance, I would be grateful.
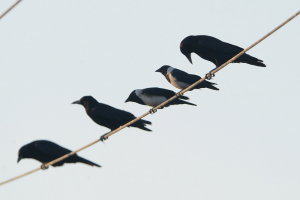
(152, 111)
(209, 75)
(102, 138)
(43, 167)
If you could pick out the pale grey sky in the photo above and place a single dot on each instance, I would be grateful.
(241, 142)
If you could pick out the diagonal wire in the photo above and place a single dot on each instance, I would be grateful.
(159, 106)
(10, 9)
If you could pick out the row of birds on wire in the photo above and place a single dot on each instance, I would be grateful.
(207, 47)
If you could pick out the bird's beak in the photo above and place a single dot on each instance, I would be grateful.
(76, 102)
(127, 100)
(189, 58)
(20, 158)
(157, 70)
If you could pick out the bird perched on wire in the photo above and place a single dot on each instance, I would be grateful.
(155, 96)
(108, 116)
(46, 151)
(182, 80)
(215, 50)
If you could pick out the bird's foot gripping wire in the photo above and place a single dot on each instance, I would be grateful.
(43, 167)
(152, 111)
(178, 94)
(102, 138)
(209, 75)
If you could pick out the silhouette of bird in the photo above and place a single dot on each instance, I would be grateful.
(215, 50)
(46, 151)
(108, 116)
(182, 80)
(155, 96)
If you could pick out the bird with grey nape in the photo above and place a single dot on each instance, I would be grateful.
(182, 80)
(215, 50)
(46, 151)
(155, 96)
(108, 116)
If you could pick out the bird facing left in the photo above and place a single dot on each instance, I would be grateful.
(46, 151)
(108, 116)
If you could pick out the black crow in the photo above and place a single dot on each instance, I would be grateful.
(108, 116)
(215, 50)
(155, 96)
(46, 151)
(182, 80)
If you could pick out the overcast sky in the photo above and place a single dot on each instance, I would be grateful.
(241, 142)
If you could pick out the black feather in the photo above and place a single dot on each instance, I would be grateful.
(215, 50)
(47, 151)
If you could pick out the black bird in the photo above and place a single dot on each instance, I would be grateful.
(182, 80)
(108, 116)
(46, 151)
(215, 50)
(155, 96)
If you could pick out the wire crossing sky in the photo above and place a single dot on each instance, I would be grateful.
(9, 9)
(208, 76)
(240, 142)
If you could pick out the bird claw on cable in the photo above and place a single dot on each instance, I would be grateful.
(43, 167)
(102, 138)
(152, 111)
(209, 75)
(178, 94)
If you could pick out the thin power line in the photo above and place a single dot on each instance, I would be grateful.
(208, 76)
(9, 9)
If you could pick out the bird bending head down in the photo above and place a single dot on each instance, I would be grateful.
(46, 151)
(215, 51)
(186, 47)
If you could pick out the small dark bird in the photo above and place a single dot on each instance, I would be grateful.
(182, 80)
(215, 50)
(155, 96)
(46, 151)
(108, 116)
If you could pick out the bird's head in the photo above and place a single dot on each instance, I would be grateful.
(133, 97)
(20, 156)
(187, 47)
(25, 152)
(163, 69)
(86, 101)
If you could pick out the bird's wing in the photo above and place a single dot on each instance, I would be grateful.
(158, 92)
(218, 45)
(111, 113)
(185, 77)
(51, 149)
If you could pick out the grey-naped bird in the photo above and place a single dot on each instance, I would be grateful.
(182, 80)
(155, 96)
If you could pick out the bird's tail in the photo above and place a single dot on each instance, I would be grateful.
(83, 160)
(251, 60)
(144, 128)
(183, 97)
(145, 121)
(210, 85)
(179, 101)
(141, 124)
